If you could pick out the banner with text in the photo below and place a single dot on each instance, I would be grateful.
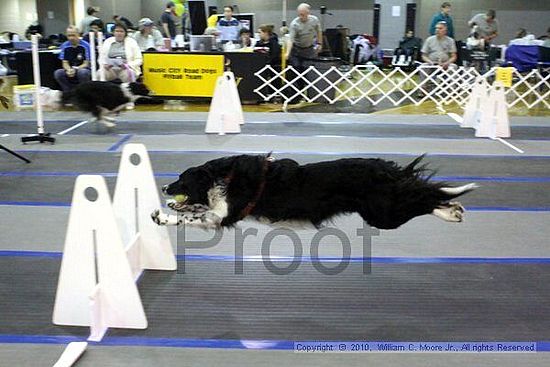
(181, 75)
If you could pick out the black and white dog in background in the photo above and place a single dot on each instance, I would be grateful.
(104, 99)
(223, 191)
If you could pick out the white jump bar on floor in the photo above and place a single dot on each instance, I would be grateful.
(458, 119)
(73, 127)
(509, 145)
(71, 354)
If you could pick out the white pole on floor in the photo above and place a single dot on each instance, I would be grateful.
(37, 84)
(284, 13)
(42, 135)
(100, 48)
(93, 61)
(71, 354)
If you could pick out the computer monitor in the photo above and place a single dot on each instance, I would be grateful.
(109, 27)
(202, 43)
(22, 45)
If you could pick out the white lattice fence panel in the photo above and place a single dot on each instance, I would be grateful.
(371, 84)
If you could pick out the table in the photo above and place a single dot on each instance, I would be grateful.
(193, 74)
(523, 58)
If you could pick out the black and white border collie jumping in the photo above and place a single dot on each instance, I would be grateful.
(104, 99)
(223, 191)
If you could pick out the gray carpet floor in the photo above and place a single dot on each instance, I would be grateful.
(397, 301)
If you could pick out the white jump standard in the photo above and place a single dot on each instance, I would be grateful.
(108, 246)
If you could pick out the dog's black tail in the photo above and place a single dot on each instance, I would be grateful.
(421, 173)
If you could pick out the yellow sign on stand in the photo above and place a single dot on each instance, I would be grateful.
(182, 75)
(505, 75)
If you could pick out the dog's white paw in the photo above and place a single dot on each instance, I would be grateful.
(159, 218)
(106, 123)
(452, 212)
(211, 218)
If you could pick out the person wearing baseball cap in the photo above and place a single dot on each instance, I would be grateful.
(148, 37)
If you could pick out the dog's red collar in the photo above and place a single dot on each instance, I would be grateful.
(252, 204)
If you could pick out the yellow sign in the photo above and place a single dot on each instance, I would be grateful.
(504, 75)
(182, 75)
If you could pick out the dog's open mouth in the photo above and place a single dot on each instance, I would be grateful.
(178, 202)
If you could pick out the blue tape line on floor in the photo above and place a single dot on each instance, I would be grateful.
(378, 260)
(541, 346)
(385, 122)
(119, 143)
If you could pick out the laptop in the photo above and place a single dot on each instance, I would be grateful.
(203, 43)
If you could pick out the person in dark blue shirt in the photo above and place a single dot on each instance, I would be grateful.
(167, 20)
(75, 56)
(443, 16)
(96, 26)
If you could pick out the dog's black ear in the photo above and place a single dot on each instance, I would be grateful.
(139, 89)
(203, 177)
(247, 176)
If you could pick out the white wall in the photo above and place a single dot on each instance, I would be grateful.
(17, 15)
(59, 11)
(392, 28)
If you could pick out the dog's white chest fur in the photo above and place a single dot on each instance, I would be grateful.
(217, 201)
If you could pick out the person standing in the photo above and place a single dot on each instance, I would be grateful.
(547, 40)
(92, 13)
(487, 25)
(228, 26)
(167, 20)
(75, 56)
(185, 20)
(443, 16)
(305, 37)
